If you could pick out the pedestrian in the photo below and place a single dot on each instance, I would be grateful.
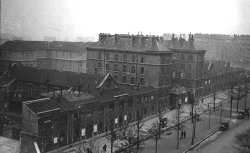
(181, 134)
(202, 100)
(184, 133)
(104, 147)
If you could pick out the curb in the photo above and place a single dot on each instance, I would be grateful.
(199, 142)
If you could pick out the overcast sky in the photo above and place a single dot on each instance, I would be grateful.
(74, 18)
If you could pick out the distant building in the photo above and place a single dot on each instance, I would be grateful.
(49, 38)
(234, 48)
(57, 55)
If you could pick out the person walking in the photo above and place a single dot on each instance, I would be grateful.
(104, 147)
(184, 134)
(181, 134)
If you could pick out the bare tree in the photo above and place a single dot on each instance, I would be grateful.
(239, 96)
(221, 110)
(127, 135)
(242, 142)
(177, 119)
(230, 93)
(89, 147)
(246, 90)
(154, 131)
(214, 97)
(112, 137)
(159, 115)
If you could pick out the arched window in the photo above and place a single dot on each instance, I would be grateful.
(190, 57)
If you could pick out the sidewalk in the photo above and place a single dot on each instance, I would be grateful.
(201, 107)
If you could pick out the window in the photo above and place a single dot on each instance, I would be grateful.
(21, 55)
(125, 57)
(145, 98)
(173, 74)
(190, 57)
(111, 107)
(182, 74)
(121, 105)
(124, 68)
(107, 56)
(108, 83)
(124, 79)
(133, 69)
(205, 82)
(130, 103)
(116, 67)
(70, 65)
(142, 70)
(132, 80)
(141, 81)
(70, 55)
(133, 58)
(189, 75)
(107, 66)
(83, 132)
(43, 89)
(63, 120)
(99, 56)
(167, 81)
(182, 66)
(27, 55)
(189, 66)
(76, 117)
(182, 57)
(62, 137)
(116, 57)
(101, 110)
(99, 66)
(56, 54)
(55, 138)
(47, 142)
(162, 71)
(129, 116)
(152, 96)
(47, 125)
(142, 60)
(174, 65)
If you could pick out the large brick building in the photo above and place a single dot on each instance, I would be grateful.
(133, 59)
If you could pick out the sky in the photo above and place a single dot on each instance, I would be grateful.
(77, 18)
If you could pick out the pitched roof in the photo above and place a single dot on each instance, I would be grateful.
(57, 78)
(220, 67)
(40, 45)
(184, 45)
(25, 45)
(139, 43)
(49, 104)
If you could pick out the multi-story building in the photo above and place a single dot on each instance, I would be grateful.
(234, 48)
(133, 59)
(188, 63)
(62, 56)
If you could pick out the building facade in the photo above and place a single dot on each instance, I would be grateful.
(62, 56)
(133, 59)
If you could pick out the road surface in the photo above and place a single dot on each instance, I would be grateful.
(222, 141)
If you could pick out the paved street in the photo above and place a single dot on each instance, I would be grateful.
(223, 140)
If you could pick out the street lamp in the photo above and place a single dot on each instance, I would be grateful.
(194, 126)
(210, 110)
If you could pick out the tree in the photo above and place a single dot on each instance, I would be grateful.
(239, 96)
(246, 90)
(139, 124)
(242, 142)
(159, 115)
(214, 97)
(127, 136)
(89, 147)
(221, 110)
(230, 93)
(177, 120)
(154, 131)
(112, 137)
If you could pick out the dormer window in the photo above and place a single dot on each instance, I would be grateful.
(108, 83)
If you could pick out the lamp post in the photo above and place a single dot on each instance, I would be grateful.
(210, 110)
(194, 126)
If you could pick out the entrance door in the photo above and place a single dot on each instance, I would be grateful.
(89, 131)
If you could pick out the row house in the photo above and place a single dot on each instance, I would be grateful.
(217, 76)
(133, 60)
(83, 112)
(56, 55)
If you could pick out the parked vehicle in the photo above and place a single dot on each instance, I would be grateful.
(246, 111)
(241, 115)
(224, 126)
